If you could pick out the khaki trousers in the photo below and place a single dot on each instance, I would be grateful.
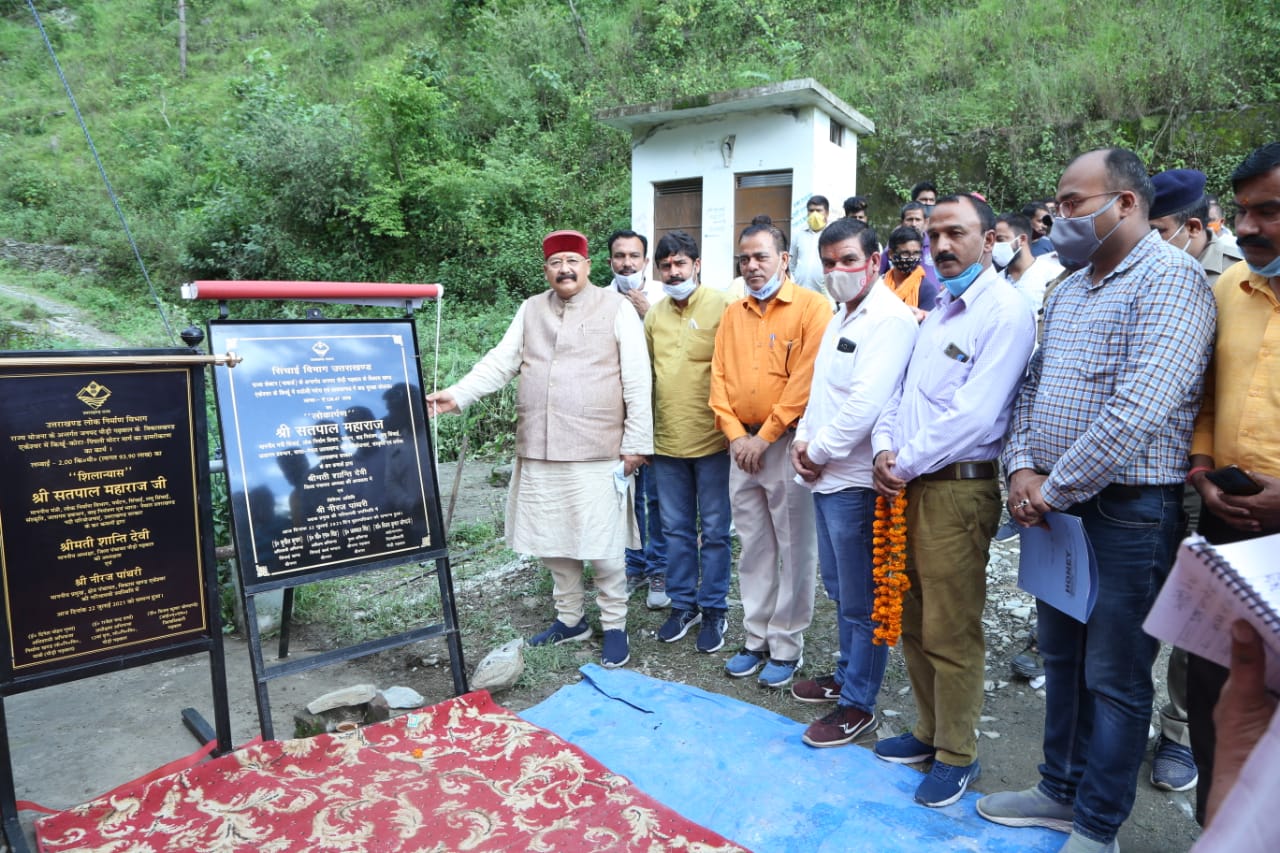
(949, 530)
(777, 570)
(568, 590)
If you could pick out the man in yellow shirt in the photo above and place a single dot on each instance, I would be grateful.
(1239, 420)
(760, 375)
(690, 462)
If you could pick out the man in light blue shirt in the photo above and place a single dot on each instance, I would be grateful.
(939, 438)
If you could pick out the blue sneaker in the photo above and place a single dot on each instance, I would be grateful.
(616, 651)
(779, 673)
(945, 784)
(678, 624)
(1173, 767)
(906, 748)
(711, 634)
(561, 633)
(745, 662)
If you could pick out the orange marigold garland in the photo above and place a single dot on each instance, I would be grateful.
(889, 561)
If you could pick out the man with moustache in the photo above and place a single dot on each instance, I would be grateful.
(1239, 420)
(938, 438)
(584, 428)
(690, 460)
(859, 366)
(1100, 431)
(760, 376)
(646, 565)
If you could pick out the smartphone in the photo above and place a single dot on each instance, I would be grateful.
(1233, 481)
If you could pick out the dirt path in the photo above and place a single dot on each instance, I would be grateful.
(64, 321)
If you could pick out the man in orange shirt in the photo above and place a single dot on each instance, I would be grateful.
(760, 375)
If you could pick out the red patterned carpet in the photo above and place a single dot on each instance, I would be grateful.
(463, 775)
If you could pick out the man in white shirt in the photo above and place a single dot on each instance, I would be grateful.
(1012, 255)
(860, 363)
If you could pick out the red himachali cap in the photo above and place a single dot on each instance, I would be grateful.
(564, 241)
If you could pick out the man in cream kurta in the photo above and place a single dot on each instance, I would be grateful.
(584, 426)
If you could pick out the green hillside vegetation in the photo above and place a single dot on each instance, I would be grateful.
(438, 140)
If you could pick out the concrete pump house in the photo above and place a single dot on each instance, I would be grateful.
(708, 164)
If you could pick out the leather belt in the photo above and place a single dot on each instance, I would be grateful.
(963, 471)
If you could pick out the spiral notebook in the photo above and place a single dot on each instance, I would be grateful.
(1210, 587)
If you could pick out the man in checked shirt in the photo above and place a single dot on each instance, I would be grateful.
(1101, 430)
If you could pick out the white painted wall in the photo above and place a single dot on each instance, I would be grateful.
(764, 141)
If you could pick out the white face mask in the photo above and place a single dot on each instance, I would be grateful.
(1002, 254)
(1186, 247)
(846, 284)
(635, 281)
(680, 290)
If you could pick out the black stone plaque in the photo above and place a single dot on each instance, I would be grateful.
(100, 545)
(329, 461)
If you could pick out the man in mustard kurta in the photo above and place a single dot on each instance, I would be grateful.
(584, 426)
(690, 462)
(760, 377)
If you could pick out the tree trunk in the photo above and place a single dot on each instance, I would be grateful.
(182, 37)
(582, 32)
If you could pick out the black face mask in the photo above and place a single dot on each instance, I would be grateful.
(904, 265)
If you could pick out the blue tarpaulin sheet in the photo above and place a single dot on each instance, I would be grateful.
(744, 772)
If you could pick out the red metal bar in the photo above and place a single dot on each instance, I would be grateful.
(319, 291)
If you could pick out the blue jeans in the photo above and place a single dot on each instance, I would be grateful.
(1098, 674)
(651, 557)
(692, 491)
(845, 522)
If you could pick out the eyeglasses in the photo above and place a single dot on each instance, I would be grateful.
(1067, 207)
(560, 263)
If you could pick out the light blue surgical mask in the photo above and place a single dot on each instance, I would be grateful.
(1271, 270)
(635, 281)
(959, 284)
(680, 290)
(771, 287)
